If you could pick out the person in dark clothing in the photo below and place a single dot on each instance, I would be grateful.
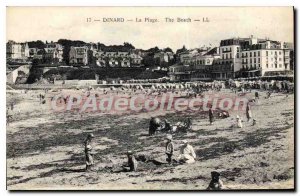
(153, 125)
(132, 163)
(248, 112)
(256, 95)
(211, 115)
(88, 152)
(215, 183)
(12, 106)
(168, 126)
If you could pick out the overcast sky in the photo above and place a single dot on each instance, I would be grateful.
(53, 23)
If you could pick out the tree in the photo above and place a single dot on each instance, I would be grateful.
(36, 44)
(128, 46)
(148, 61)
(183, 49)
(168, 50)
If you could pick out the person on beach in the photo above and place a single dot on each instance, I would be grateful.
(248, 112)
(215, 183)
(256, 95)
(89, 159)
(239, 123)
(169, 149)
(154, 125)
(211, 115)
(12, 104)
(132, 163)
(187, 153)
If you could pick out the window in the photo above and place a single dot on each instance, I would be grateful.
(279, 52)
(280, 65)
(254, 54)
(267, 65)
(258, 53)
(237, 55)
(254, 60)
(250, 54)
(280, 59)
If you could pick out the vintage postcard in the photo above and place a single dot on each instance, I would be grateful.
(150, 98)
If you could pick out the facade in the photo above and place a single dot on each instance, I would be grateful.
(79, 55)
(53, 53)
(265, 58)
(195, 65)
(250, 57)
(229, 63)
(162, 58)
(17, 50)
(179, 72)
(117, 59)
(33, 52)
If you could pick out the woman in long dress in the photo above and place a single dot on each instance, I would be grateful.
(89, 159)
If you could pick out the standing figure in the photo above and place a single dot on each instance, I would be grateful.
(248, 112)
(256, 95)
(12, 106)
(215, 183)
(239, 122)
(187, 153)
(8, 116)
(211, 115)
(89, 160)
(169, 149)
(268, 95)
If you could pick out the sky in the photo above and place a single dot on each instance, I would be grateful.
(53, 23)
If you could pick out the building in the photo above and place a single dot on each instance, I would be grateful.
(136, 60)
(195, 65)
(180, 73)
(265, 58)
(230, 62)
(79, 55)
(53, 53)
(202, 64)
(17, 50)
(163, 58)
(33, 52)
(250, 57)
(117, 59)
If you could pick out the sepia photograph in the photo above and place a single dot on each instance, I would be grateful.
(150, 98)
